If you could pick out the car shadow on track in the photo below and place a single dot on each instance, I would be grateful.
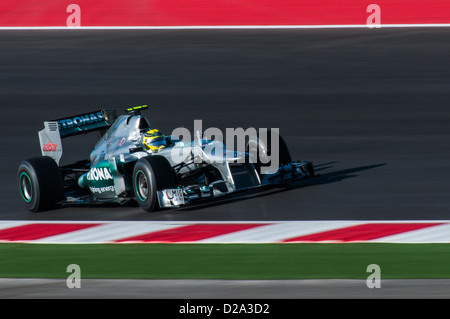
(319, 179)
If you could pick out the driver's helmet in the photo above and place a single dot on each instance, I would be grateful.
(154, 141)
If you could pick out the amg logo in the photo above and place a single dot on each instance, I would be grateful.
(99, 173)
(81, 120)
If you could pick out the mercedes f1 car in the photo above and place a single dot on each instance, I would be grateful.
(133, 162)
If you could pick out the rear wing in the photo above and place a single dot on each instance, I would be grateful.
(50, 138)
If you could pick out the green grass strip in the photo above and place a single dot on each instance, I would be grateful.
(225, 261)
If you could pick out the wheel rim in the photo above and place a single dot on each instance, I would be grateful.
(26, 188)
(141, 185)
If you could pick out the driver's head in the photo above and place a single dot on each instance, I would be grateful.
(154, 141)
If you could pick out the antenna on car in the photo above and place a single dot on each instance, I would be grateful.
(109, 115)
(136, 110)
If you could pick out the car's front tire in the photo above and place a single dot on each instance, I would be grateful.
(151, 174)
(260, 150)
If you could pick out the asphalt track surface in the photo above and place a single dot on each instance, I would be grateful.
(224, 289)
(370, 107)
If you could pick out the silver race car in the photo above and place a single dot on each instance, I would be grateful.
(134, 162)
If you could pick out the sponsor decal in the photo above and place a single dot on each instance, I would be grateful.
(81, 120)
(175, 195)
(49, 147)
(100, 190)
(99, 173)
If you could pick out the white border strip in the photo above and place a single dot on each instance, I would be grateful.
(239, 27)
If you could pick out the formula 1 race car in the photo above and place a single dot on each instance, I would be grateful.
(133, 162)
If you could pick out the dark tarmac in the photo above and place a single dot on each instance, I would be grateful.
(369, 107)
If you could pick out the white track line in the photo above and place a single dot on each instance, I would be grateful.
(434, 234)
(232, 27)
(11, 224)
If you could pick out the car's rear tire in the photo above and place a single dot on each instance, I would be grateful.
(40, 183)
(151, 174)
(261, 150)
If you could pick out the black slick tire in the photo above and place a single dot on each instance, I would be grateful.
(40, 183)
(261, 149)
(151, 174)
